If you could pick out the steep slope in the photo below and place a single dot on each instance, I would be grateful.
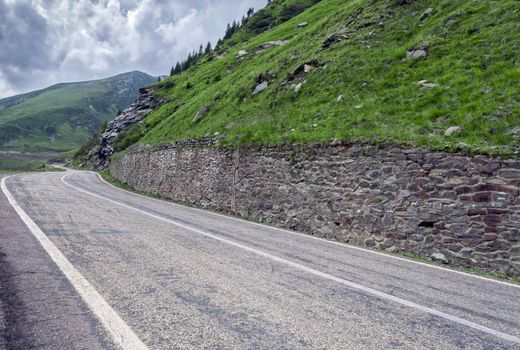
(61, 117)
(96, 153)
(442, 74)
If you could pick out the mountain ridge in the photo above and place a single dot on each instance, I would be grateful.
(18, 98)
(62, 116)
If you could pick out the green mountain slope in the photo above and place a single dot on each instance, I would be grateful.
(391, 71)
(61, 117)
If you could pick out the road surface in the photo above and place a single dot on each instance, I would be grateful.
(84, 265)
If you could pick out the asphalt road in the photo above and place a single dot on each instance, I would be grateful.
(150, 274)
(39, 309)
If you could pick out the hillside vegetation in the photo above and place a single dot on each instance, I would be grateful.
(61, 117)
(442, 74)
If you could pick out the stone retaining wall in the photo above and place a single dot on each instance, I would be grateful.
(465, 210)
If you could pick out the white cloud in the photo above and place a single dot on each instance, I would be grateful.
(5, 89)
(49, 41)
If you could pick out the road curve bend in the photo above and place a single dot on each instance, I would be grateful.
(149, 274)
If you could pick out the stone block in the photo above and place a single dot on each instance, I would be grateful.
(490, 168)
(463, 190)
(449, 195)
(513, 235)
(510, 174)
(489, 236)
(501, 197)
(482, 197)
(476, 211)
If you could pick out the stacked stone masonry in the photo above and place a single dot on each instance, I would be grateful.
(401, 200)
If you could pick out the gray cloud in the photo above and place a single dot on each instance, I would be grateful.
(23, 44)
(48, 41)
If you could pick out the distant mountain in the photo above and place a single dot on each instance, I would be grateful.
(61, 117)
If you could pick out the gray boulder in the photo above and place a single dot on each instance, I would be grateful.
(333, 39)
(453, 130)
(439, 257)
(200, 114)
(415, 54)
(241, 54)
(427, 85)
(261, 87)
(426, 14)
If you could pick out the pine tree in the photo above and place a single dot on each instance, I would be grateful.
(208, 48)
(178, 68)
(228, 31)
(195, 56)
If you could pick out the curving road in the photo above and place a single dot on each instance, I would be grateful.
(84, 265)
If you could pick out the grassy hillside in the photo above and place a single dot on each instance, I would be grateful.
(14, 162)
(362, 86)
(61, 117)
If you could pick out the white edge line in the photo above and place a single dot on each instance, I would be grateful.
(366, 290)
(121, 333)
(345, 245)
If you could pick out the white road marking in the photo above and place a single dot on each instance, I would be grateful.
(304, 268)
(344, 245)
(122, 334)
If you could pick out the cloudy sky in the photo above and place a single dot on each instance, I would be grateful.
(43, 42)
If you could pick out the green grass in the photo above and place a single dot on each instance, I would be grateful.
(472, 55)
(24, 162)
(19, 162)
(61, 118)
(67, 155)
(48, 167)
(107, 176)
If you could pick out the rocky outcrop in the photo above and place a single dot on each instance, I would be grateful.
(99, 157)
(332, 40)
(450, 207)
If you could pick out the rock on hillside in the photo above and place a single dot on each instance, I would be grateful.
(98, 158)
